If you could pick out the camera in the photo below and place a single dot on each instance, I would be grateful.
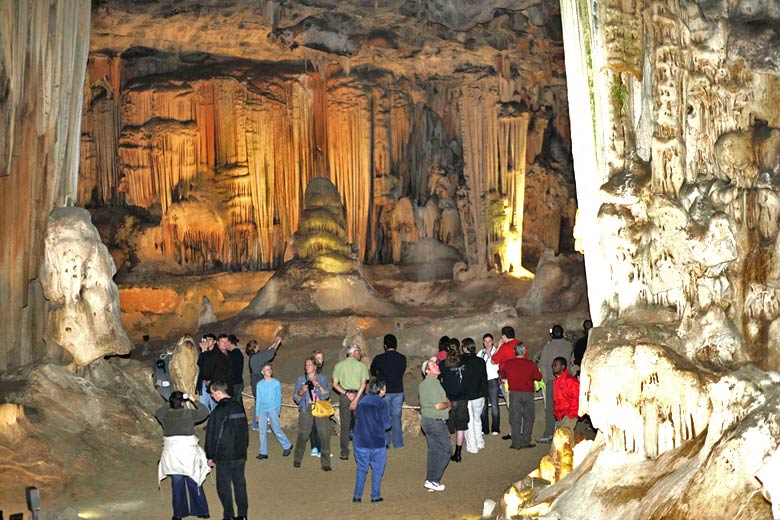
(309, 385)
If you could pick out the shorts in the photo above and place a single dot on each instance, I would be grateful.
(459, 416)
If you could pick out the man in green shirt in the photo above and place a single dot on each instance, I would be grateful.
(435, 409)
(349, 380)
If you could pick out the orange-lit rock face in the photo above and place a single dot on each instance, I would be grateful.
(422, 128)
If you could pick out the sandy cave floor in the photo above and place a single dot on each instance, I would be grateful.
(278, 490)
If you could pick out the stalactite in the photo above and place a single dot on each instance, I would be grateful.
(495, 145)
(349, 155)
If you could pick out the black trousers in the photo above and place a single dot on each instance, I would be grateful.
(230, 480)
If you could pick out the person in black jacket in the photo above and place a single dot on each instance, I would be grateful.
(236, 359)
(227, 438)
(453, 378)
(477, 385)
(216, 366)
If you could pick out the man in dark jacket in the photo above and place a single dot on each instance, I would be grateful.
(216, 366)
(390, 367)
(236, 359)
(227, 438)
(477, 387)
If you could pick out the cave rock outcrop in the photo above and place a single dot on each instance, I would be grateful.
(76, 276)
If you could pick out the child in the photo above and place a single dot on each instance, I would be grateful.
(268, 404)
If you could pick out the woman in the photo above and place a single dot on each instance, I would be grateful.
(309, 388)
(314, 439)
(182, 457)
(453, 379)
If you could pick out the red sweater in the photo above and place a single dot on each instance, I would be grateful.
(505, 353)
(521, 374)
(566, 396)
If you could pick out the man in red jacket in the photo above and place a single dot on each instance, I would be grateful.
(566, 395)
(521, 373)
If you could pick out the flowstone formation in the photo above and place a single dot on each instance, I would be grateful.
(680, 132)
(76, 276)
(322, 274)
(426, 116)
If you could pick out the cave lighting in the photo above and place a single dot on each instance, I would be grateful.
(513, 256)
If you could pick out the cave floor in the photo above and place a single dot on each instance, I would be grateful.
(276, 489)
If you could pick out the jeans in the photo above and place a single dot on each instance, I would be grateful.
(549, 417)
(437, 436)
(230, 480)
(205, 398)
(521, 417)
(374, 458)
(271, 417)
(396, 433)
(474, 441)
(305, 420)
(347, 421)
(495, 412)
(181, 486)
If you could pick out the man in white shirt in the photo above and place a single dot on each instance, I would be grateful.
(493, 386)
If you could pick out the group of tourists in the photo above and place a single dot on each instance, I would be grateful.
(459, 395)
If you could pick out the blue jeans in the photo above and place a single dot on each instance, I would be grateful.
(271, 417)
(181, 485)
(396, 433)
(205, 398)
(495, 412)
(374, 458)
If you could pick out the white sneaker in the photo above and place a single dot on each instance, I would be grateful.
(315, 452)
(494, 433)
(433, 486)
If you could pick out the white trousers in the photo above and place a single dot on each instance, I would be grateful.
(474, 440)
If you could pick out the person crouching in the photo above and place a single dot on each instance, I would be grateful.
(372, 420)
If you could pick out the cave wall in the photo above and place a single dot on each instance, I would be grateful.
(197, 147)
(676, 144)
(681, 134)
(43, 55)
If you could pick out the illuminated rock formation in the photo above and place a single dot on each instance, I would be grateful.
(216, 138)
(183, 365)
(323, 274)
(76, 275)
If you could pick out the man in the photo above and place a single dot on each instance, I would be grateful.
(486, 354)
(349, 380)
(201, 386)
(566, 395)
(371, 422)
(227, 438)
(476, 384)
(506, 346)
(390, 367)
(236, 368)
(217, 363)
(556, 347)
(521, 373)
(582, 344)
(435, 409)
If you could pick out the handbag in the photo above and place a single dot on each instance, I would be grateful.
(322, 408)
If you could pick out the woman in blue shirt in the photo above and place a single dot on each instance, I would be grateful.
(268, 406)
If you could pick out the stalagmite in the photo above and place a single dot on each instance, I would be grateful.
(76, 275)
